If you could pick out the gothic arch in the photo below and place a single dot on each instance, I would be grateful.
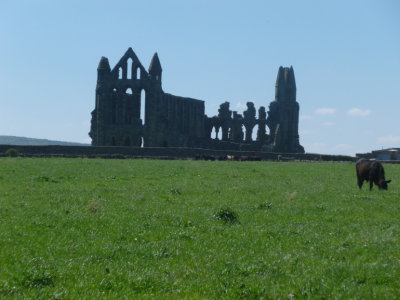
(142, 96)
(256, 129)
(216, 132)
(129, 66)
(129, 91)
(219, 133)
(138, 73)
(212, 134)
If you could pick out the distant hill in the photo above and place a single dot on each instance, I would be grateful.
(16, 140)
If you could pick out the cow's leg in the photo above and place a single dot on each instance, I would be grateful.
(360, 182)
(371, 180)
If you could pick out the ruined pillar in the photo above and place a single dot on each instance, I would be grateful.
(249, 120)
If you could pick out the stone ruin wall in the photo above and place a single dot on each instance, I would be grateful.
(133, 110)
(121, 152)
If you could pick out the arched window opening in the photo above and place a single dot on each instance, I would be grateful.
(157, 77)
(218, 136)
(143, 106)
(129, 63)
(255, 133)
(127, 142)
(114, 90)
(120, 73)
(138, 73)
(213, 133)
(245, 133)
(113, 141)
(129, 91)
(141, 142)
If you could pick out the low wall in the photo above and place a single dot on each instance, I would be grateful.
(163, 153)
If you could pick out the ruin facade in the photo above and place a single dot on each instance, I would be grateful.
(133, 110)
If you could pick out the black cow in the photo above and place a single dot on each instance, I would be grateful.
(372, 171)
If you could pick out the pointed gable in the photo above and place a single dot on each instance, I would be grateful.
(128, 54)
(155, 65)
(104, 64)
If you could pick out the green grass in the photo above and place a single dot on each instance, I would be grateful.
(92, 228)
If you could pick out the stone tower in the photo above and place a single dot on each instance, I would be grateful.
(155, 70)
(283, 114)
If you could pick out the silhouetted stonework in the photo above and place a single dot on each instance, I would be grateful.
(133, 110)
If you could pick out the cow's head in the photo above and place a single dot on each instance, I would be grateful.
(383, 184)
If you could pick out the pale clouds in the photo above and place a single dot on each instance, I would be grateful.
(241, 105)
(305, 132)
(328, 124)
(389, 140)
(316, 147)
(306, 117)
(359, 112)
(323, 148)
(325, 111)
(342, 147)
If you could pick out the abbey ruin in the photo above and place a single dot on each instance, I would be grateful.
(133, 110)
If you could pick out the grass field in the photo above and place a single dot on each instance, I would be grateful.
(112, 229)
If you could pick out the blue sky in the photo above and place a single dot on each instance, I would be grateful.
(345, 54)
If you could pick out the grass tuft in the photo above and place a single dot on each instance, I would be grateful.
(94, 206)
(38, 275)
(264, 205)
(175, 191)
(227, 215)
(44, 178)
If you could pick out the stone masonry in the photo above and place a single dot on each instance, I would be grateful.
(132, 110)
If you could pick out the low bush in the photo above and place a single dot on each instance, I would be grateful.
(11, 152)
